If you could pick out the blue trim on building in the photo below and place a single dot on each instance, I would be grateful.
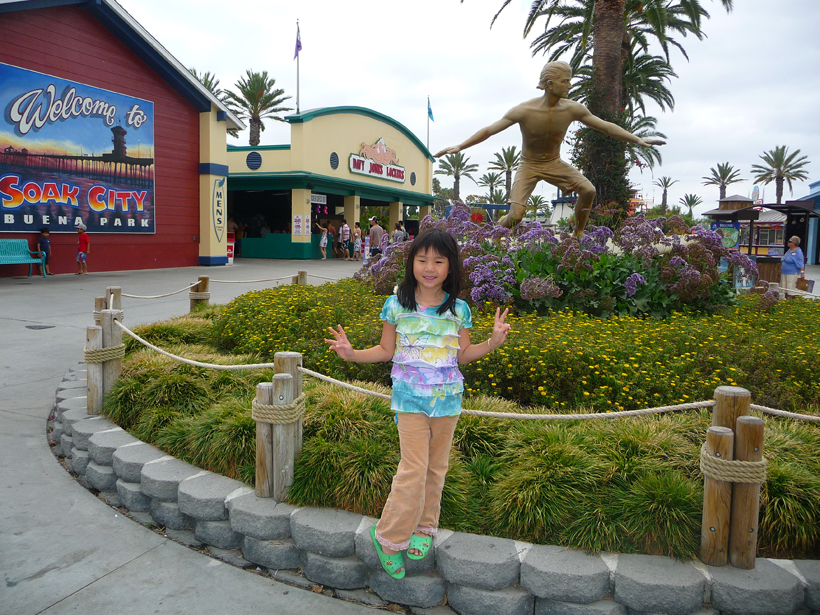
(221, 116)
(309, 115)
(13, 7)
(261, 148)
(212, 261)
(209, 168)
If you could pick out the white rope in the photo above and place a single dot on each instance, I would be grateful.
(790, 291)
(321, 277)
(789, 415)
(176, 292)
(286, 277)
(190, 361)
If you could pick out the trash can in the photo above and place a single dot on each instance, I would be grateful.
(231, 244)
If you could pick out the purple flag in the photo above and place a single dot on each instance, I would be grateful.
(298, 42)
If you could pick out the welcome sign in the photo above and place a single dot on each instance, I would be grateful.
(72, 153)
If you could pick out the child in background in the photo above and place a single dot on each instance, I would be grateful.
(426, 333)
(323, 242)
(357, 242)
(83, 248)
(44, 246)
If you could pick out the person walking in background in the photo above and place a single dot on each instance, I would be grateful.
(357, 242)
(792, 265)
(344, 241)
(404, 230)
(44, 246)
(83, 248)
(398, 234)
(425, 331)
(323, 242)
(331, 237)
(376, 233)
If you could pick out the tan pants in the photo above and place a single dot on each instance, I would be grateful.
(555, 172)
(414, 503)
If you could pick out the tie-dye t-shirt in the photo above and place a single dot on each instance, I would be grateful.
(425, 372)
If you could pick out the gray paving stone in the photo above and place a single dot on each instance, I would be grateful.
(272, 554)
(292, 578)
(475, 601)
(363, 596)
(82, 431)
(810, 569)
(166, 514)
(56, 449)
(337, 572)
(325, 531)
(203, 497)
(557, 607)
(73, 415)
(216, 533)
(66, 444)
(111, 498)
(478, 561)
(79, 461)
(160, 479)
(563, 574)
(658, 584)
(132, 497)
(77, 406)
(102, 478)
(767, 589)
(143, 518)
(101, 445)
(260, 518)
(128, 460)
(231, 556)
(57, 431)
(424, 590)
(366, 551)
(72, 384)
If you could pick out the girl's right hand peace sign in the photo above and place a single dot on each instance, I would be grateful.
(341, 345)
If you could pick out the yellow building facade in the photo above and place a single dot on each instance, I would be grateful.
(339, 161)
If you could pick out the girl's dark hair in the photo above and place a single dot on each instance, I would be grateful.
(444, 244)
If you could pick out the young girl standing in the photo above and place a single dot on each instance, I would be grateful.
(323, 242)
(425, 333)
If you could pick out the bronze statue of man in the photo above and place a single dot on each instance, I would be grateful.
(544, 122)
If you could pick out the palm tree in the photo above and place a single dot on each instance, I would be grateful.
(690, 201)
(211, 83)
(665, 183)
(643, 126)
(507, 161)
(490, 181)
(456, 166)
(538, 203)
(258, 99)
(724, 175)
(780, 166)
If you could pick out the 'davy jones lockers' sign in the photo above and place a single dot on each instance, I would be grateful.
(72, 153)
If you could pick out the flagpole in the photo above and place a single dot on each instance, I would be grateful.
(297, 71)
(428, 123)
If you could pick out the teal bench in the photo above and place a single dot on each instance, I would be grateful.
(16, 252)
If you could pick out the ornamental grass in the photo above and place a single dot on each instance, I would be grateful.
(628, 485)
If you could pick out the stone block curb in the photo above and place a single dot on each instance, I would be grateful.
(102, 478)
(132, 497)
(483, 562)
(271, 554)
(658, 584)
(475, 601)
(101, 445)
(66, 444)
(129, 459)
(160, 479)
(767, 589)
(366, 551)
(75, 407)
(810, 571)
(260, 518)
(325, 531)
(203, 496)
(216, 533)
(556, 607)
(79, 461)
(81, 431)
(424, 590)
(167, 514)
(565, 575)
(342, 572)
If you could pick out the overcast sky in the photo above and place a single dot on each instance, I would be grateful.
(751, 85)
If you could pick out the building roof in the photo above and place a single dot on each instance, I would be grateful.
(128, 30)
(735, 198)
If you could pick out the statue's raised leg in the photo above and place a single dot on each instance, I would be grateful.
(515, 215)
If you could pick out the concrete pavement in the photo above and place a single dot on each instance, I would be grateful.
(62, 550)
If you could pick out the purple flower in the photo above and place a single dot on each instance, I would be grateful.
(632, 283)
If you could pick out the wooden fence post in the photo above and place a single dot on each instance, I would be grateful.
(732, 402)
(99, 306)
(746, 496)
(289, 363)
(94, 386)
(284, 439)
(264, 445)
(116, 300)
(717, 501)
(112, 336)
(200, 293)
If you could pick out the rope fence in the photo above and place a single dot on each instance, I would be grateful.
(176, 292)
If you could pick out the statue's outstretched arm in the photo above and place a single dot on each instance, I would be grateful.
(481, 135)
(615, 131)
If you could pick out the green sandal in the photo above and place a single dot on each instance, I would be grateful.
(419, 543)
(390, 563)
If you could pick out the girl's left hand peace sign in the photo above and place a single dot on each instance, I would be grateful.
(500, 329)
